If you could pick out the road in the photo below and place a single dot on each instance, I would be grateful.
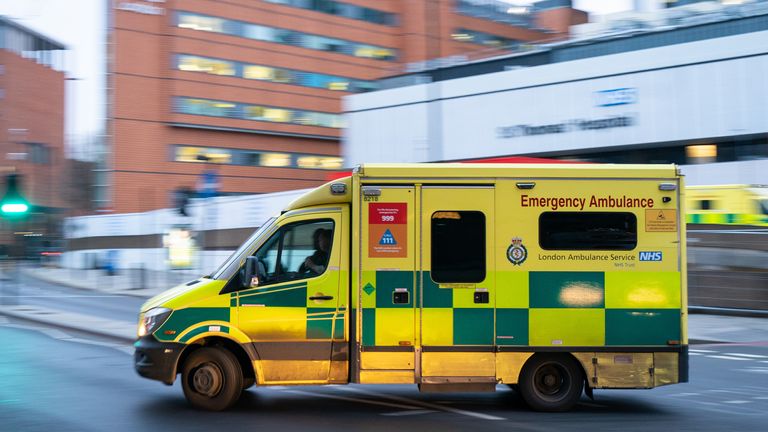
(24, 290)
(59, 380)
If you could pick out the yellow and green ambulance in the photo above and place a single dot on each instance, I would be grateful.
(727, 205)
(555, 279)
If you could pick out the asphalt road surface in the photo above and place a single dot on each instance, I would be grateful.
(55, 380)
(34, 292)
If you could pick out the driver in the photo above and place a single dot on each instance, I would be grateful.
(317, 261)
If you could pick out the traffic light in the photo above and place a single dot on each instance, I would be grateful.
(13, 203)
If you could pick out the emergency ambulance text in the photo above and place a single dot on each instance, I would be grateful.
(579, 203)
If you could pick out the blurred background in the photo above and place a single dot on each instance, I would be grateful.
(142, 140)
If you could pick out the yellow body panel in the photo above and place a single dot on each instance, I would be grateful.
(458, 364)
(386, 360)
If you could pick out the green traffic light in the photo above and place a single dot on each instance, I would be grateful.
(13, 204)
(14, 208)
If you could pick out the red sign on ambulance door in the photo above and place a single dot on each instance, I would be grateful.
(387, 230)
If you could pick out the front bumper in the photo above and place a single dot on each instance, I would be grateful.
(157, 360)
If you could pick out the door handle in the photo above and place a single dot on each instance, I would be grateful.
(321, 297)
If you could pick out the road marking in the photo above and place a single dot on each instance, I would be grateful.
(758, 369)
(347, 399)
(695, 354)
(728, 358)
(737, 402)
(685, 394)
(424, 404)
(754, 356)
(702, 351)
(407, 413)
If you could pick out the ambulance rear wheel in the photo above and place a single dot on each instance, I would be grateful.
(551, 382)
(212, 379)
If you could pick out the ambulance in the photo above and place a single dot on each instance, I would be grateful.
(554, 279)
(727, 205)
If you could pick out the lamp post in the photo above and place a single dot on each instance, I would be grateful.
(208, 188)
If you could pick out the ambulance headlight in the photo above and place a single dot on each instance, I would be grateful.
(152, 320)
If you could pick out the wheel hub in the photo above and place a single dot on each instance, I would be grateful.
(549, 380)
(207, 379)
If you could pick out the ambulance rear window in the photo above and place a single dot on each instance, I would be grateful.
(458, 246)
(587, 231)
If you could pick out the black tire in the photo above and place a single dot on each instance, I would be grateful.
(551, 382)
(212, 379)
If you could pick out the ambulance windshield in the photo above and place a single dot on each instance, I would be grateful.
(232, 264)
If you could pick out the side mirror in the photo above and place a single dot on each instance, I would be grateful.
(254, 272)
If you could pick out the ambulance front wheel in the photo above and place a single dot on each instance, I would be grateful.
(212, 379)
(551, 382)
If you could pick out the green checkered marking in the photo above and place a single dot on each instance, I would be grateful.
(641, 326)
(567, 289)
(320, 326)
(472, 326)
(512, 327)
(369, 327)
(182, 319)
(387, 281)
(434, 296)
(201, 330)
(338, 326)
(288, 295)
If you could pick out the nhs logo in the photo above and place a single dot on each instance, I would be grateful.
(650, 256)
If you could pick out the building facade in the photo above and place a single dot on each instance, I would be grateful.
(689, 94)
(249, 92)
(32, 125)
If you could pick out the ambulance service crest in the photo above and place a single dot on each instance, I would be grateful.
(517, 253)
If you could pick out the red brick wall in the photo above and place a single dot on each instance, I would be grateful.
(32, 110)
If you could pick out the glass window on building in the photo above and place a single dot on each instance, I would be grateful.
(207, 107)
(283, 36)
(278, 160)
(270, 114)
(207, 65)
(481, 38)
(318, 162)
(458, 247)
(257, 32)
(283, 76)
(203, 155)
(198, 154)
(346, 10)
(263, 73)
(202, 22)
(373, 52)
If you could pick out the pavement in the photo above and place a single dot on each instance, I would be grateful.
(703, 328)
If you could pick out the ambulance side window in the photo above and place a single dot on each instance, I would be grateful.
(458, 246)
(587, 231)
(296, 251)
